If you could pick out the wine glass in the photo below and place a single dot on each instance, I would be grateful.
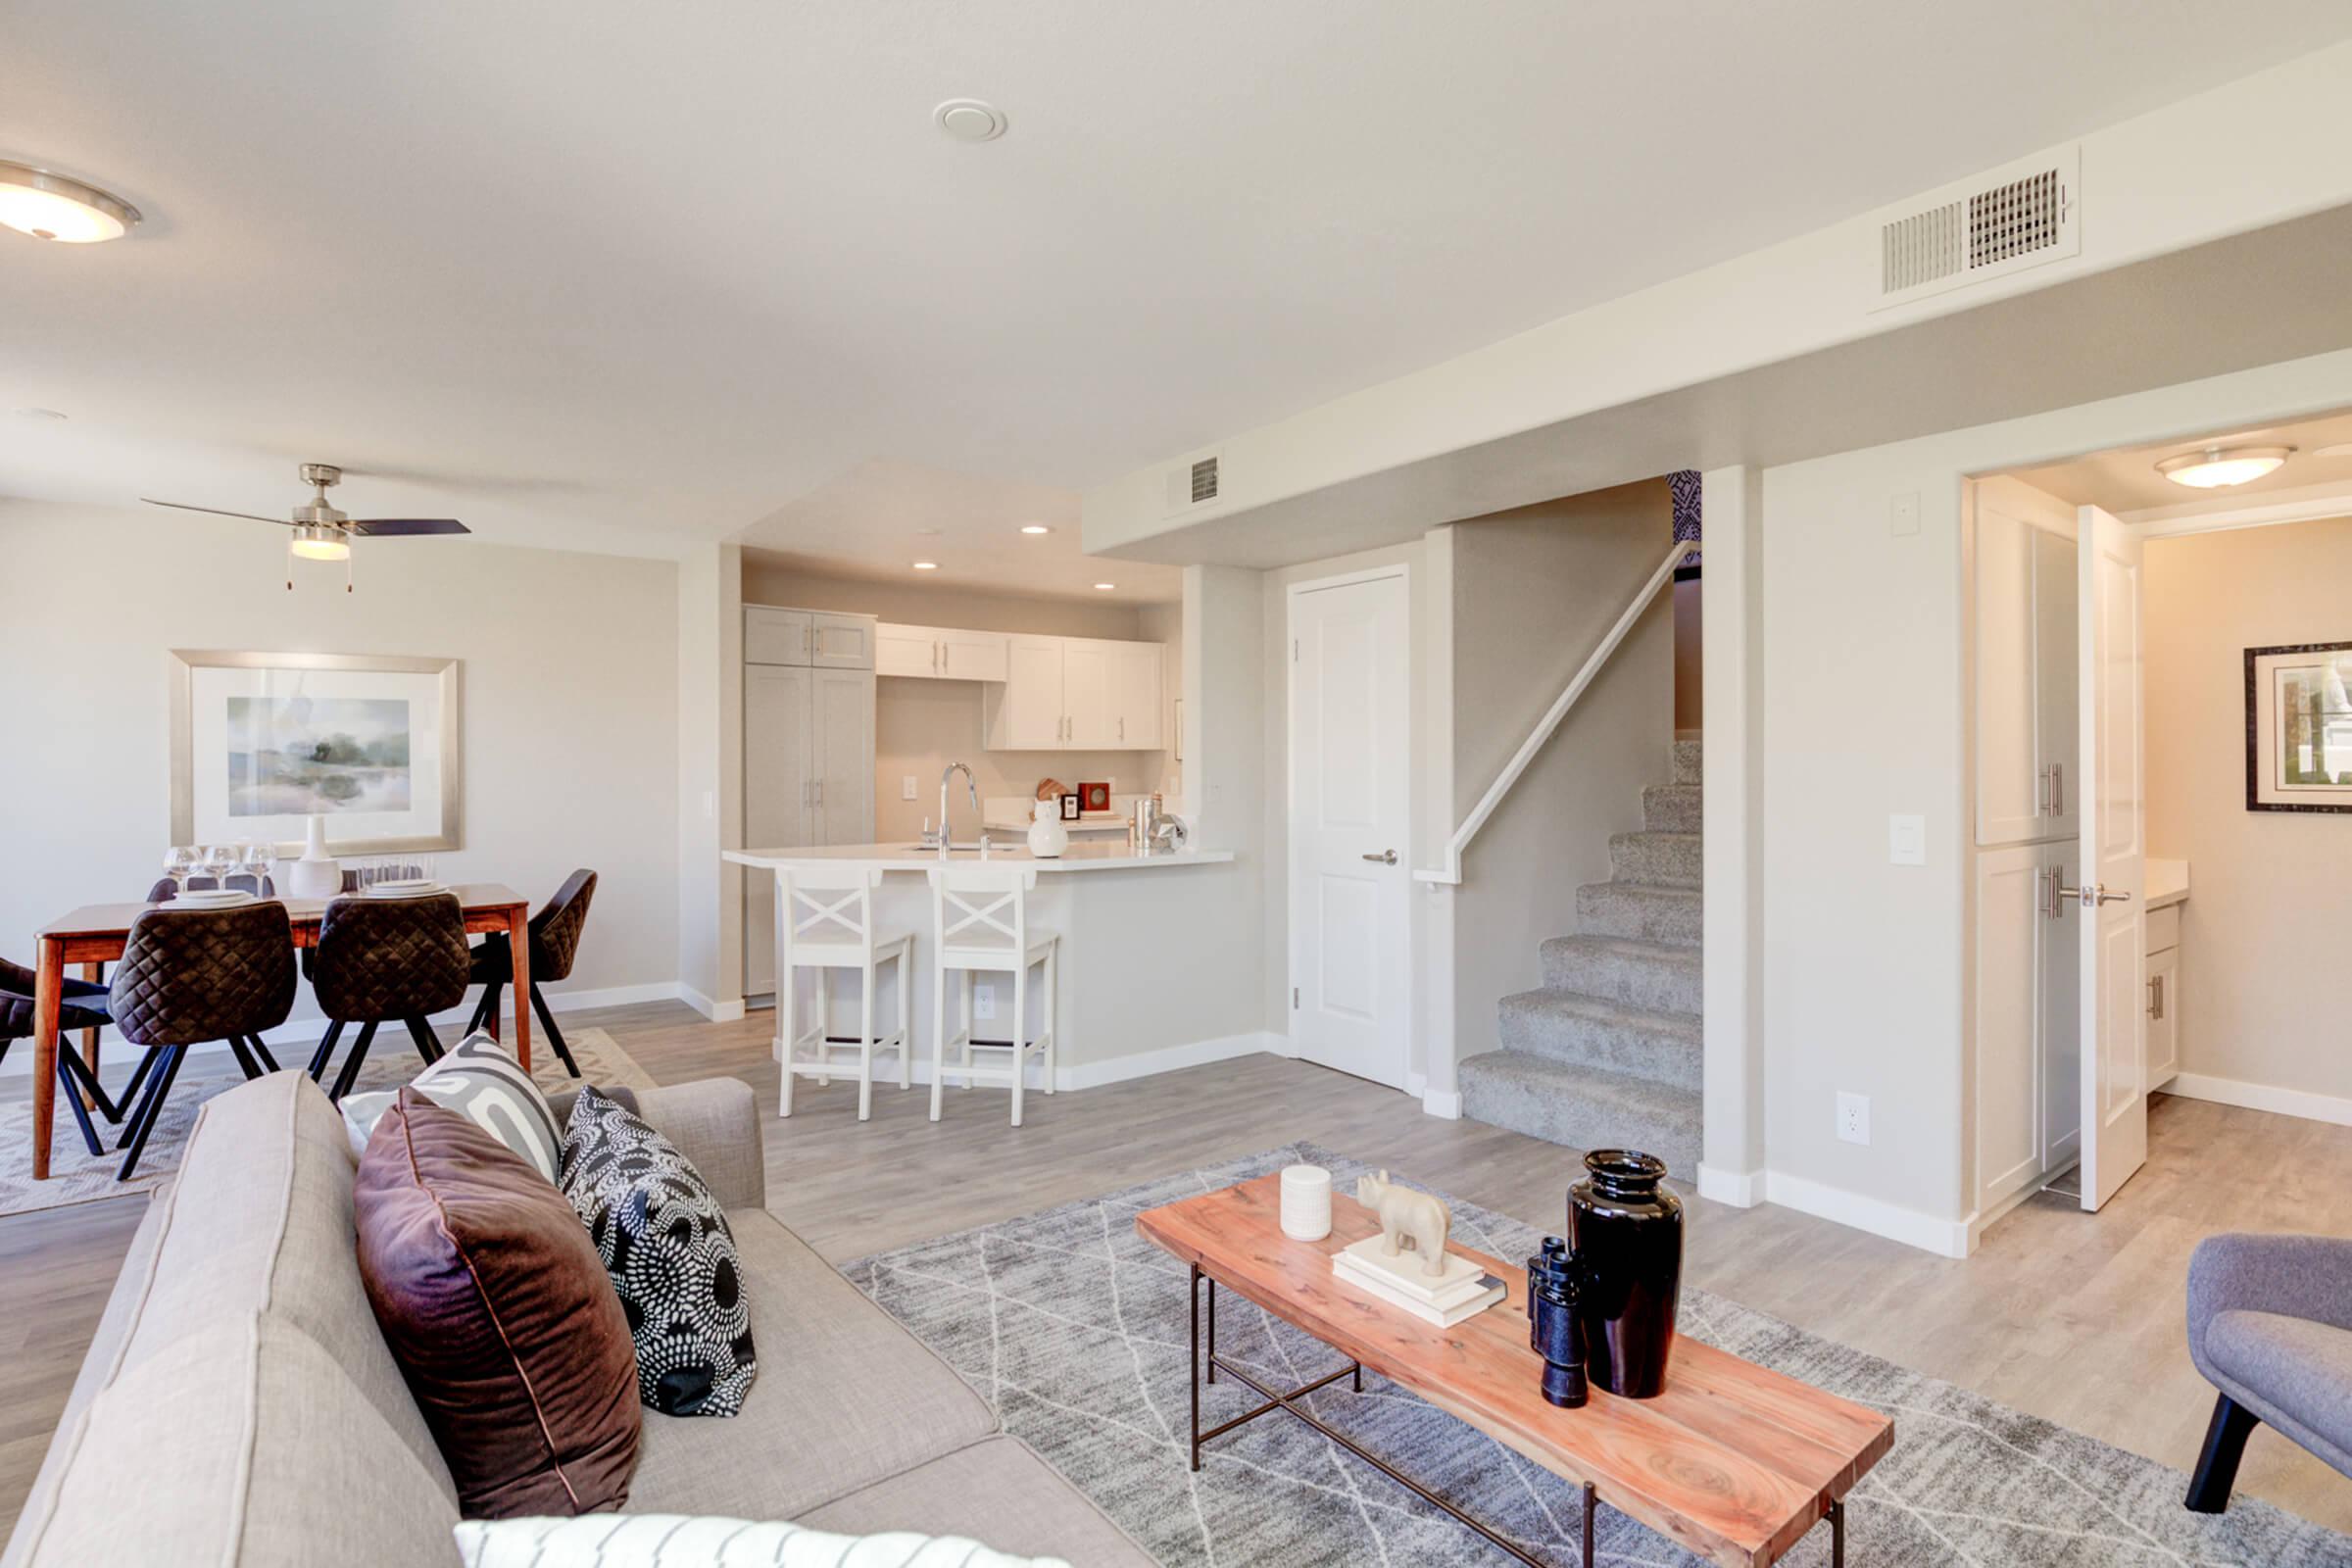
(179, 862)
(219, 860)
(258, 858)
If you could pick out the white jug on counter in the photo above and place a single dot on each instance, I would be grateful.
(1047, 838)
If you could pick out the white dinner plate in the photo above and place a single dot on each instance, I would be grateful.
(213, 898)
(405, 889)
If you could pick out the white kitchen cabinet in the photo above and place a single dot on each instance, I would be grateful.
(1136, 708)
(809, 638)
(2163, 999)
(1078, 694)
(1086, 695)
(2026, 664)
(2028, 1020)
(807, 779)
(939, 653)
(1026, 714)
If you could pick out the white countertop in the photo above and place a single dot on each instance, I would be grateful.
(2167, 882)
(1080, 857)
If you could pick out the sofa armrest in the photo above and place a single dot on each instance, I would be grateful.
(715, 1122)
(2295, 1275)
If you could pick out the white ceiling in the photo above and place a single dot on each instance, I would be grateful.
(621, 276)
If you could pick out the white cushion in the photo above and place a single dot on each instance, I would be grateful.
(481, 1079)
(675, 1541)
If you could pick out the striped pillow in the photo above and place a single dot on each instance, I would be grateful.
(676, 1540)
(481, 1079)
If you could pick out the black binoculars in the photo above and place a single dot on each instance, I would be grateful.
(1554, 1328)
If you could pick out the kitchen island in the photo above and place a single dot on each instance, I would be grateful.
(1151, 949)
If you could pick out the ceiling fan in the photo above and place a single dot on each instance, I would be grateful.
(320, 532)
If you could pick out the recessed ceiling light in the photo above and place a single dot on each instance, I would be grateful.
(2216, 468)
(1105, 587)
(46, 206)
(970, 119)
(1035, 527)
(926, 566)
(35, 414)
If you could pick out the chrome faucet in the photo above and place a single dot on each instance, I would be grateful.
(947, 839)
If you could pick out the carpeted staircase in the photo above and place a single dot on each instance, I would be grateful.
(1607, 1054)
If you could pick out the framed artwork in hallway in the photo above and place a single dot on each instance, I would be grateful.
(2299, 728)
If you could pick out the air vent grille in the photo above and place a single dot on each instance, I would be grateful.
(1193, 482)
(1205, 480)
(2013, 217)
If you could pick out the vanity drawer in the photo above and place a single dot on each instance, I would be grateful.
(2163, 928)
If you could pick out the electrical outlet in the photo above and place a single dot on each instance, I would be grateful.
(906, 787)
(984, 1000)
(1853, 1117)
(1906, 841)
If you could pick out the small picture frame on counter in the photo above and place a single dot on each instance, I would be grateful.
(1070, 805)
(1094, 797)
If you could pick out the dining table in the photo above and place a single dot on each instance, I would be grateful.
(94, 934)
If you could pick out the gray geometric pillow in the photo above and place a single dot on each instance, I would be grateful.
(481, 1079)
(664, 1237)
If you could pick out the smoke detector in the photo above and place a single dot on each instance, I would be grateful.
(970, 119)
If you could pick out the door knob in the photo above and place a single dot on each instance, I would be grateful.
(1384, 857)
(2092, 896)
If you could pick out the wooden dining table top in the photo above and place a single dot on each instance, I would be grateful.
(115, 919)
(1733, 1462)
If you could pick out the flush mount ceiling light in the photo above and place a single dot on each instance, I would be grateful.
(2217, 467)
(51, 206)
(926, 566)
(1105, 587)
(1035, 527)
(970, 119)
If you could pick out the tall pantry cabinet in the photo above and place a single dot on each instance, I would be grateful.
(2025, 943)
(808, 751)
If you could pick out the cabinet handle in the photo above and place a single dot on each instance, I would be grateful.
(2041, 792)
(935, 658)
(2057, 789)
(2156, 997)
(1122, 726)
(821, 791)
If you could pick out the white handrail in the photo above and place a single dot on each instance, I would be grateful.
(1451, 871)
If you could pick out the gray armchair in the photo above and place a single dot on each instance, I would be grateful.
(2270, 1324)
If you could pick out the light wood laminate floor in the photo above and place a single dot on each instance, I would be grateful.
(2074, 1317)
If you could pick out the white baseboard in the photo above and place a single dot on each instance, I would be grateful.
(1946, 1238)
(715, 1011)
(1444, 1102)
(1085, 1074)
(1738, 1189)
(2301, 1103)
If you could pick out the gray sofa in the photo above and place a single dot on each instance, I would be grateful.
(238, 1405)
(2270, 1324)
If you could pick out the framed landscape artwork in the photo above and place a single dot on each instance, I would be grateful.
(2299, 728)
(262, 742)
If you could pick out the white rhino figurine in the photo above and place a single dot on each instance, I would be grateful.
(1407, 1220)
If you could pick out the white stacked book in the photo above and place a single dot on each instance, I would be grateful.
(1464, 1290)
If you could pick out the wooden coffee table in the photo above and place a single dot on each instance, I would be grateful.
(1733, 1461)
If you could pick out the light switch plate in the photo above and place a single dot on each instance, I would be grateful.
(1902, 514)
(1906, 840)
(984, 1000)
(906, 787)
(1853, 1117)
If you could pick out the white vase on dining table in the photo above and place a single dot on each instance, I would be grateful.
(317, 874)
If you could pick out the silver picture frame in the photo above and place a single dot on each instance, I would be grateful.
(451, 773)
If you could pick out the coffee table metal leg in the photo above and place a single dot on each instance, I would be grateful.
(1212, 1328)
(1195, 1340)
(1837, 1535)
(1592, 1506)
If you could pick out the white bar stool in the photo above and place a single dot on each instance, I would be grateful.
(980, 922)
(825, 921)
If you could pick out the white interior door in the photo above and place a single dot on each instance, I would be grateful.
(1350, 818)
(2113, 817)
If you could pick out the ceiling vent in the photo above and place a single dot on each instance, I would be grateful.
(1195, 482)
(2004, 222)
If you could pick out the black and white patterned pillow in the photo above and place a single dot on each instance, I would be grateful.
(665, 1240)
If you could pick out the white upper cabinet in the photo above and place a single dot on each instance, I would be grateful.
(1027, 714)
(1086, 699)
(1077, 693)
(2026, 664)
(939, 653)
(841, 641)
(1137, 702)
(809, 638)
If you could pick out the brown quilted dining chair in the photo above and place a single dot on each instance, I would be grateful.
(555, 941)
(187, 976)
(379, 959)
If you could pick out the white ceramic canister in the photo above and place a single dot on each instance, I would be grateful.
(1047, 838)
(1305, 1202)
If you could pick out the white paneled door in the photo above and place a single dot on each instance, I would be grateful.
(1350, 826)
(2113, 817)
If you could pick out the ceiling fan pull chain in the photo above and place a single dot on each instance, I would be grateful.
(289, 562)
(347, 571)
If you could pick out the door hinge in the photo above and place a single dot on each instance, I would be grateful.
(1293, 999)
(1294, 650)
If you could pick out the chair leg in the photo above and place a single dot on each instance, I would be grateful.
(1048, 1017)
(72, 1091)
(906, 1021)
(939, 1033)
(261, 1052)
(865, 1046)
(555, 1035)
(326, 1049)
(93, 1093)
(428, 1045)
(131, 1103)
(351, 1063)
(969, 979)
(1020, 1033)
(824, 1027)
(788, 1023)
(245, 1062)
(151, 1109)
(493, 996)
(2217, 1463)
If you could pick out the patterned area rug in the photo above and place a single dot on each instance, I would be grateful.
(1074, 1328)
(392, 1060)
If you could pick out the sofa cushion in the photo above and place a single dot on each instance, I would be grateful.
(497, 1309)
(664, 1241)
(241, 1443)
(998, 1490)
(480, 1078)
(671, 1540)
(849, 1397)
(2296, 1373)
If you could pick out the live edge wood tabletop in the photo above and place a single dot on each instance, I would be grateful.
(1733, 1461)
(96, 933)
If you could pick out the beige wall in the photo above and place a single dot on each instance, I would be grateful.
(2262, 933)
(1533, 591)
(569, 687)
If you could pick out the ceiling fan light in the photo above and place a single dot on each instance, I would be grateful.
(46, 206)
(316, 542)
(2218, 468)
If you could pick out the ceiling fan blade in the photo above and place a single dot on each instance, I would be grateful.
(217, 512)
(406, 527)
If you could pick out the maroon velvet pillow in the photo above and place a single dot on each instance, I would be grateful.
(501, 1316)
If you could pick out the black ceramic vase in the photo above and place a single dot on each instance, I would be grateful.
(1626, 1233)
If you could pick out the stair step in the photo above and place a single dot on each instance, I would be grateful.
(1638, 974)
(1647, 914)
(1673, 808)
(1579, 1030)
(1657, 860)
(1583, 1108)
(1688, 760)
